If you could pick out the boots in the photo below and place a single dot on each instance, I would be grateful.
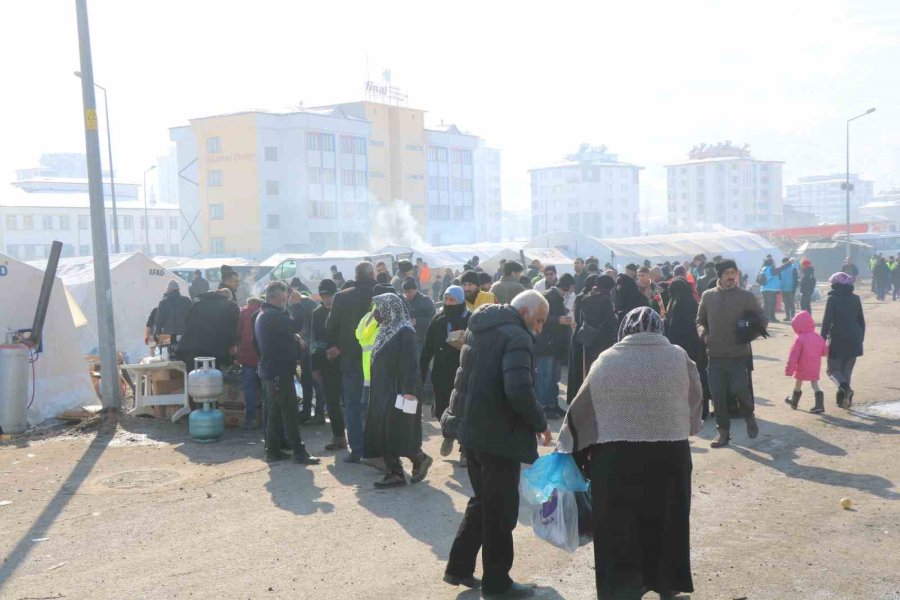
(794, 399)
(722, 438)
(820, 403)
(841, 396)
(752, 427)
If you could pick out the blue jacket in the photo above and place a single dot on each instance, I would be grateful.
(773, 281)
(789, 277)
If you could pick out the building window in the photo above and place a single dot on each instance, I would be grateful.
(216, 212)
(217, 245)
(273, 221)
(327, 142)
(346, 144)
(47, 221)
(127, 222)
(64, 222)
(159, 223)
(328, 176)
(271, 188)
(359, 145)
(414, 147)
(314, 174)
(83, 222)
(437, 154)
(360, 178)
(213, 144)
(464, 157)
(271, 153)
(12, 222)
(312, 141)
(214, 178)
(173, 223)
(84, 250)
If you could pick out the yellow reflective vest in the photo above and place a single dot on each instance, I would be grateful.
(366, 332)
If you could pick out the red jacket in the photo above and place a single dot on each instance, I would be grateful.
(246, 354)
(805, 360)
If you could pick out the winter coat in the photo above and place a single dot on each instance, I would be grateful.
(628, 296)
(808, 281)
(247, 355)
(843, 324)
(554, 339)
(197, 287)
(210, 328)
(348, 307)
(172, 313)
(805, 360)
(789, 277)
(773, 280)
(507, 288)
(389, 430)
(274, 331)
(882, 273)
(596, 312)
(681, 322)
(318, 343)
(445, 356)
(302, 312)
(717, 320)
(493, 407)
(421, 309)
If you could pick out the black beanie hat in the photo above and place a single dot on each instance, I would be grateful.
(404, 266)
(410, 284)
(327, 287)
(470, 277)
(566, 281)
(725, 265)
(484, 278)
(383, 288)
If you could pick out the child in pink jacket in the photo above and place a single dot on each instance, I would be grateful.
(805, 360)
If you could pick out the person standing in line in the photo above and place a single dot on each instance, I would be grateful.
(634, 439)
(844, 326)
(596, 329)
(508, 286)
(499, 272)
(707, 280)
(789, 279)
(552, 347)
(484, 282)
(423, 275)
(347, 308)
(394, 422)
(722, 311)
(327, 373)
(248, 358)
(805, 361)
(548, 281)
(807, 285)
(337, 277)
(172, 313)
(275, 333)
(210, 329)
(895, 279)
(198, 285)
(850, 269)
(496, 416)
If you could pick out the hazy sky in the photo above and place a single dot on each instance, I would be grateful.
(648, 79)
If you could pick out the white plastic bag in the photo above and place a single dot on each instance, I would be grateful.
(556, 520)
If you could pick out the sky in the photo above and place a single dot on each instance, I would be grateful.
(648, 79)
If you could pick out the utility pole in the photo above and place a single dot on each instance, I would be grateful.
(109, 367)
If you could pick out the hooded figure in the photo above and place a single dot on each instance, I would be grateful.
(394, 423)
(845, 329)
(628, 296)
(681, 329)
(596, 329)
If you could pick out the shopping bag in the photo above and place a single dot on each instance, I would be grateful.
(556, 520)
(550, 472)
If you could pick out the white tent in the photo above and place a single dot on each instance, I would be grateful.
(61, 380)
(747, 249)
(138, 284)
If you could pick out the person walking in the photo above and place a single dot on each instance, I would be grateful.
(347, 308)
(635, 440)
(807, 285)
(172, 312)
(770, 286)
(275, 333)
(327, 373)
(881, 275)
(552, 347)
(805, 361)
(723, 311)
(790, 278)
(844, 326)
(596, 329)
(451, 320)
(198, 285)
(508, 286)
(248, 358)
(496, 416)
(681, 330)
(394, 422)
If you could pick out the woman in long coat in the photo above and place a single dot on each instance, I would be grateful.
(391, 432)
(634, 430)
(596, 329)
(845, 329)
(628, 296)
(681, 330)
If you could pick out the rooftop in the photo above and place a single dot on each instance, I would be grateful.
(19, 198)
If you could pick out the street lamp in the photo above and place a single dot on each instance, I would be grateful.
(847, 186)
(112, 179)
(146, 214)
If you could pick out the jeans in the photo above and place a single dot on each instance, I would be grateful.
(251, 384)
(790, 308)
(770, 299)
(841, 370)
(281, 416)
(729, 376)
(354, 410)
(546, 382)
(488, 523)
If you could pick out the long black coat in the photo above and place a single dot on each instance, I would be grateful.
(389, 430)
(171, 314)
(843, 323)
(681, 323)
(596, 311)
(446, 357)
(211, 327)
(348, 307)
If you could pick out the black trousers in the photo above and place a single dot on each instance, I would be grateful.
(806, 302)
(331, 382)
(790, 304)
(281, 415)
(441, 398)
(488, 523)
(308, 387)
(729, 377)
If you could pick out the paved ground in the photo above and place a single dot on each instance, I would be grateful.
(146, 513)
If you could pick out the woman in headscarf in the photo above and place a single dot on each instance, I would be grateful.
(631, 420)
(628, 296)
(596, 328)
(394, 423)
(845, 329)
(681, 330)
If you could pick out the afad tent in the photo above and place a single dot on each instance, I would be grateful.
(138, 284)
(61, 381)
(747, 249)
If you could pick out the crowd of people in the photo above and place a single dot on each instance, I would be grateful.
(374, 349)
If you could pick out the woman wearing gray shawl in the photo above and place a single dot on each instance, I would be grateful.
(630, 422)
(394, 422)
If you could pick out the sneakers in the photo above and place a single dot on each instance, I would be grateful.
(794, 399)
(446, 446)
(752, 426)
(391, 480)
(337, 443)
(722, 438)
(420, 469)
(471, 581)
(820, 403)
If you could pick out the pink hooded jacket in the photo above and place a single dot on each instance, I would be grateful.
(805, 360)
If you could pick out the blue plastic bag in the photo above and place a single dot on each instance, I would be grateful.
(555, 471)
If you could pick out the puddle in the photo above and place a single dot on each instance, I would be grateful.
(882, 409)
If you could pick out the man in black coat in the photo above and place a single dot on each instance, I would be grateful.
(327, 373)
(494, 413)
(198, 285)
(172, 312)
(210, 329)
(421, 309)
(552, 347)
(275, 333)
(348, 307)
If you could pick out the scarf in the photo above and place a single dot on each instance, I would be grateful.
(394, 317)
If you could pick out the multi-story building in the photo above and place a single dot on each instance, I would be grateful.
(450, 186)
(825, 196)
(591, 192)
(488, 197)
(724, 185)
(45, 209)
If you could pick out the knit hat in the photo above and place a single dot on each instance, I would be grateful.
(484, 278)
(457, 292)
(840, 278)
(725, 265)
(566, 281)
(631, 267)
(173, 285)
(383, 288)
(327, 287)
(470, 277)
(404, 266)
(805, 263)
(410, 284)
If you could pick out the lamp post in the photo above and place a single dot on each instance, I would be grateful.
(847, 186)
(112, 179)
(146, 214)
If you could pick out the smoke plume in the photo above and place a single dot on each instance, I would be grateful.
(394, 225)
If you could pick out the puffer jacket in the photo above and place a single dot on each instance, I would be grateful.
(805, 360)
(172, 313)
(843, 324)
(493, 407)
(773, 280)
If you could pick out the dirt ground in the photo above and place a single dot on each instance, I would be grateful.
(147, 513)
